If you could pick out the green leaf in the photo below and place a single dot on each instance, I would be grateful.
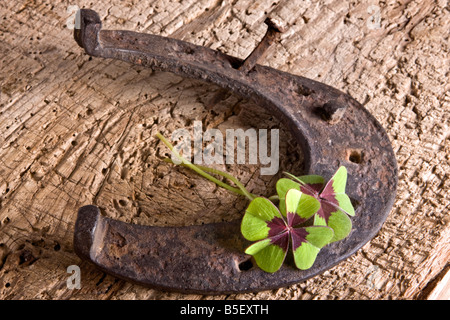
(334, 193)
(270, 258)
(319, 221)
(305, 251)
(311, 179)
(254, 223)
(292, 200)
(301, 205)
(305, 255)
(319, 236)
(337, 183)
(341, 224)
(307, 206)
(283, 186)
(257, 246)
(345, 204)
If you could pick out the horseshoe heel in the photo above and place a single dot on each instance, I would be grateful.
(332, 128)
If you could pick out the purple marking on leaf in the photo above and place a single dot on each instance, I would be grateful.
(281, 240)
(330, 198)
(328, 190)
(307, 190)
(298, 236)
(294, 219)
(327, 198)
(276, 226)
(311, 189)
(325, 210)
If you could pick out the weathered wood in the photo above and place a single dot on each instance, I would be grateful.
(77, 130)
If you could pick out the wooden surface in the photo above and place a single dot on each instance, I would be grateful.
(77, 130)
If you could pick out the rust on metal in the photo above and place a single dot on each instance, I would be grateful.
(332, 128)
(273, 33)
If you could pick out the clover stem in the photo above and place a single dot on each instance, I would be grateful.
(233, 179)
(200, 171)
(241, 190)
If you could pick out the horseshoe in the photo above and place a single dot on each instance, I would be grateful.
(332, 128)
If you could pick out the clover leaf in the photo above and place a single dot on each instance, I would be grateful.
(273, 230)
(335, 205)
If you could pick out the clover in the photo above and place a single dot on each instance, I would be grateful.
(273, 231)
(335, 205)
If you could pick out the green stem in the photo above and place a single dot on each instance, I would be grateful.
(274, 197)
(231, 178)
(241, 191)
(186, 163)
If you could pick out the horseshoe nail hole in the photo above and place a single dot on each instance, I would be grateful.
(355, 156)
(303, 91)
(245, 265)
(355, 203)
(189, 51)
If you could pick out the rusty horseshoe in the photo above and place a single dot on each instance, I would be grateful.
(332, 128)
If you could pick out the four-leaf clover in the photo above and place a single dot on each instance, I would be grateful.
(335, 205)
(273, 230)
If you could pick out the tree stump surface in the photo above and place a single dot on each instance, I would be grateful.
(77, 130)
